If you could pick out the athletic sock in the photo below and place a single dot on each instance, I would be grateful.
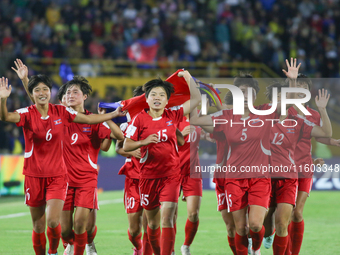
(231, 241)
(190, 231)
(296, 237)
(257, 238)
(79, 243)
(241, 244)
(68, 239)
(136, 240)
(53, 235)
(39, 243)
(147, 249)
(90, 237)
(155, 239)
(280, 244)
(167, 241)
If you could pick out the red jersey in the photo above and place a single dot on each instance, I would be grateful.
(188, 153)
(158, 159)
(303, 150)
(284, 139)
(82, 146)
(131, 166)
(248, 141)
(44, 139)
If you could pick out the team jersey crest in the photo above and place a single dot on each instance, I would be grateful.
(57, 122)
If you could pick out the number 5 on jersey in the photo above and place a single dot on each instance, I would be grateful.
(162, 136)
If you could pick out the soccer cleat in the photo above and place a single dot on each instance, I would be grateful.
(258, 252)
(52, 253)
(268, 241)
(69, 249)
(91, 249)
(185, 249)
(137, 252)
(173, 253)
(250, 245)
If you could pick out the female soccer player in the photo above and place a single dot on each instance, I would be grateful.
(284, 139)
(74, 152)
(154, 131)
(249, 147)
(44, 167)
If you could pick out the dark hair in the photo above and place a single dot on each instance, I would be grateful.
(36, 79)
(228, 98)
(247, 80)
(302, 78)
(167, 86)
(278, 85)
(138, 91)
(61, 92)
(81, 82)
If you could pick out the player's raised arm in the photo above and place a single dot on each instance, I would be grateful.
(116, 133)
(321, 102)
(5, 91)
(328, 141)
(22, 72)
(195, 95)
(98, 118)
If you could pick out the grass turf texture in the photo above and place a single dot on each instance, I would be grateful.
(322, 224)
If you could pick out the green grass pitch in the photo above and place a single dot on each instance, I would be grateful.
(322, 224)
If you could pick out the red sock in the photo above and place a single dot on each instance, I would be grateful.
(155, 239)
(53, 235)
(280, 244)
(257, 238)
(90, 237)
(136, 241)
(297, 236)
(68, 239)
(231, 241)
(39, 243)
(190, 232)
(241, 244)
(167, 241)
(79, 243)
(289, 244)
(147, 249)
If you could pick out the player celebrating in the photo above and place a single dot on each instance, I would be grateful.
(154, 131)
(44, 167)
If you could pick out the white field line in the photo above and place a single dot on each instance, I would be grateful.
(16, 215)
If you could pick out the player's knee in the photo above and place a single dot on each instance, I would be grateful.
(231, 230)
(281, 227)
(297, 215)
(79, 226)
(53, 223)
(134, 229)
(193, 216)
(167, 221)
(255, 226)
(39, 227)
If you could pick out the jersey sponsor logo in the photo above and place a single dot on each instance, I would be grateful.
(87, 129)
(57, 122)
(169, 123)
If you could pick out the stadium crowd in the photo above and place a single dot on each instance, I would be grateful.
(215, 30)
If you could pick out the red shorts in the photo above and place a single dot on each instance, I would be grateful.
(220, 194)
(240, 193)
(191, 186)
(39, 190)
(305, 184)
(81, 197)
(154, 191)
(283, 191)
(131, 196)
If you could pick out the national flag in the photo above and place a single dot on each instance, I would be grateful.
(143, 50)
(57, 122)
(87, 129)
(169, 123)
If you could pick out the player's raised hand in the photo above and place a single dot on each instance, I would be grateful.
(22, 70)
(319, 162)
(136, 153)
(322, 99)
(293, 70)
(5, 90)
(151, 139)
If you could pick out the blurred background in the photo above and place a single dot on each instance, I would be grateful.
(120, 44)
